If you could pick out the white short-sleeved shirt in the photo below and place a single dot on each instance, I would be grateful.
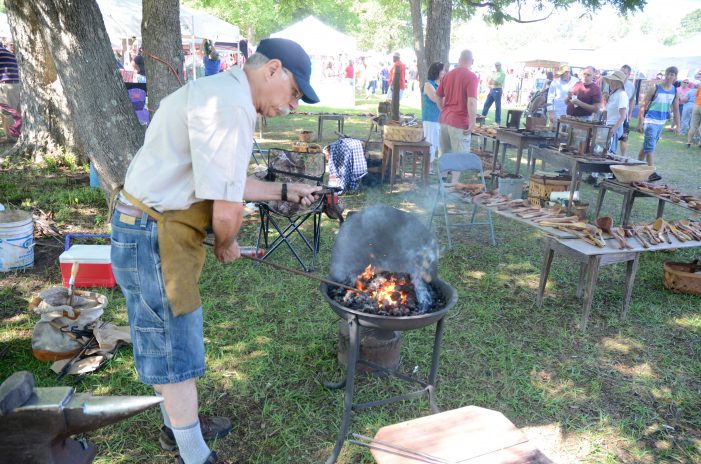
(197, 146)
(618, 100)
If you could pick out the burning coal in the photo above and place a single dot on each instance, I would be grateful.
(387, 293)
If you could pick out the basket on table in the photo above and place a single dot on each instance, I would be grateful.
(628, 173)
(399, 133)
(540, 187)
(306, 136)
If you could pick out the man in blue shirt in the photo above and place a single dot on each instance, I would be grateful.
(212, 63)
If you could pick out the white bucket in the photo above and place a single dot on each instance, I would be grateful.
(16, 240)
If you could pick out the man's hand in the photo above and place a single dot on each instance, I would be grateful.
(228, 251)
(302, 193)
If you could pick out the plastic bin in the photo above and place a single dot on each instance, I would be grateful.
(511, 185)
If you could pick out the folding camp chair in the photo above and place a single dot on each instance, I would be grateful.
(287, 218)
(460, 162)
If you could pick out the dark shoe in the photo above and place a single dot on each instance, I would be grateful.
(591, 180)
(211, 459)
(654, 177)
(213, 427)
(688, 145)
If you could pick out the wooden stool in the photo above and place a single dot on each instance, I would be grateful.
(340, 118)
(629, 195)
(470, 434)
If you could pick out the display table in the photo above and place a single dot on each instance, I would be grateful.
(340, 118)
(470, 434)
(591, 258)
(391, 150)
(577, 165)
(520, 140)
(629, 194)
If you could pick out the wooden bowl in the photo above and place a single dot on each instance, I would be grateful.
(632, 173)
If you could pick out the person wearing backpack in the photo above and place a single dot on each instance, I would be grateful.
(656, 111)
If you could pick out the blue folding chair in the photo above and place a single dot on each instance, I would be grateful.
(459, 162)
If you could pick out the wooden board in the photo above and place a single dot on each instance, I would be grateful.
(471, 434)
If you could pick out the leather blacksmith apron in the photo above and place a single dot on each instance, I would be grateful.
(181, 234)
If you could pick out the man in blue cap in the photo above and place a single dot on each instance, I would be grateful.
(190, 175)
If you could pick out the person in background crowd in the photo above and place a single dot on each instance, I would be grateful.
(431, 107)
(349, 73)
(496, 88)
(686, 105)
(190, 175)
(585, 97)
(616, 108)
(139, 69)
(557, 92)
(384, 78)
(371, 73)
(629, 87)
(656, 110)
(398, 67)
(695, 124)
(212, 63)
(9, 91)
(458, 94)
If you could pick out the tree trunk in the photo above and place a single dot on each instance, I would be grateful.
(438, 19)
(418, 36)
(47, 124)
(162, 40)
(106, 125)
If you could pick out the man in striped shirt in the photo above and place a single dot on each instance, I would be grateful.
(657, 109)
(9, 87)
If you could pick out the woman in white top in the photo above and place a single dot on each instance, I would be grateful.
(616, 108)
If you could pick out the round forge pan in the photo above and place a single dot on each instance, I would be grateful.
(450, 296)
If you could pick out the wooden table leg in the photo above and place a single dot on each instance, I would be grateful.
(496, 155)
(580, 282)
(427, 166)
(320, 129)
(627, 207)
(660, 208)
(589, 284)
(393, 160)
(547, 262)
(600, 199)
(631, 269)
(519, 155)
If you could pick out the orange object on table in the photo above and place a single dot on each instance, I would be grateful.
(471, 434)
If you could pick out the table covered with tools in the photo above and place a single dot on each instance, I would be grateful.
(590, 245)
(519, 138)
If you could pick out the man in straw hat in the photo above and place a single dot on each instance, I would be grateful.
(190, 175)
(616, 108)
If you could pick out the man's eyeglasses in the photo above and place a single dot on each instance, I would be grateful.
(296, 93)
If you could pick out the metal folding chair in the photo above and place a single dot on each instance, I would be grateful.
(285, 218)
(460, 162)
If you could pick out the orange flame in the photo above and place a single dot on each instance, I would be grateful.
(387, 295)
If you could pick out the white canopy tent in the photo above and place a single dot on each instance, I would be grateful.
(318, 39)
(123, 19)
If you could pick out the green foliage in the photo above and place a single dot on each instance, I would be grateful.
(691, 23)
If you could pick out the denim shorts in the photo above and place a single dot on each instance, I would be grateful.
(167, 349)
(652, 135)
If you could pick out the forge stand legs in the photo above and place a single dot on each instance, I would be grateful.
(348, 382)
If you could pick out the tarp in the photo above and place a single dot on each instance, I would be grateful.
(123, 19)
(318, 39)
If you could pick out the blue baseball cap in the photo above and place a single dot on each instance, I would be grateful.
(295, 60)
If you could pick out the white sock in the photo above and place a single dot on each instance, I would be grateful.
(191, 446)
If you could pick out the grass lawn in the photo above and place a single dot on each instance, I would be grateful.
(623, 391)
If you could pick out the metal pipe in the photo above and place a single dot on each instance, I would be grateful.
(295, 271)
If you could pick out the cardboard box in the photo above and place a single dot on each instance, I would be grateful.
(95, 266)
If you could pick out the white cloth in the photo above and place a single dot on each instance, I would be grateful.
(432, 133)
(556, 96)
(616, 101)
(198, 145)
